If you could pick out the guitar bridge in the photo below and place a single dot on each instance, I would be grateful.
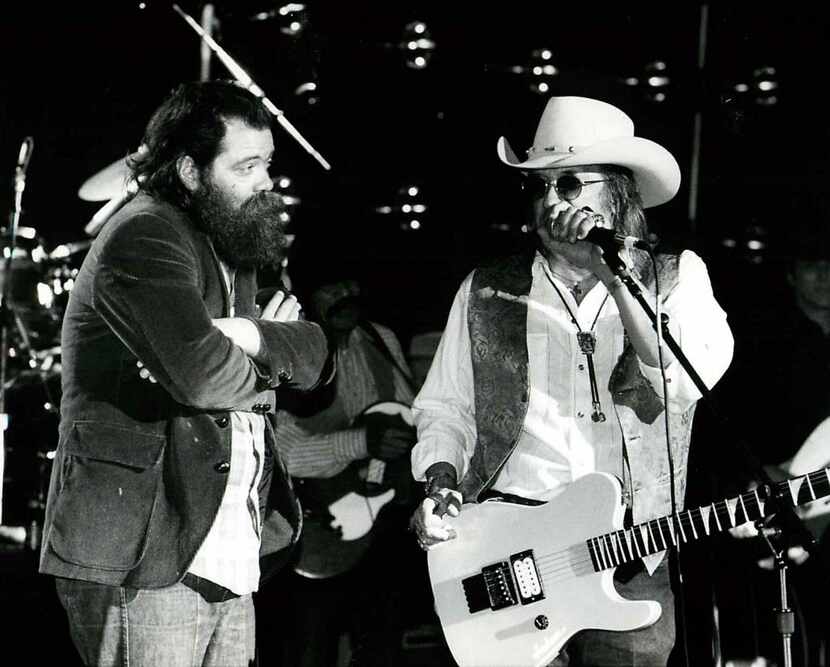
(504, 584)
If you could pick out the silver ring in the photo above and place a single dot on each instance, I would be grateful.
(436, 497)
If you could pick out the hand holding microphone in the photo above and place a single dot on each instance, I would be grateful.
(571, 225)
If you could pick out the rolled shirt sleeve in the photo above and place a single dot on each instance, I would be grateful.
(444, 408)
(699, 326)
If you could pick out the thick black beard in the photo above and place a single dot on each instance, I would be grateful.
(248, 236)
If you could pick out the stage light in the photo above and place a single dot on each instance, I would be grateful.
(654, 81)
(284, 187)
(417, 45)
(765, 81)
(291, 17)
(541, 70)
(762, 86)
(405, 206)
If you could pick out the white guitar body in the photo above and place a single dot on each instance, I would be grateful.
(575, 596)
(518, 581)
(354, 514)
(340, 511)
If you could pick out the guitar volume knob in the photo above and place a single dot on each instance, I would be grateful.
(541, 622)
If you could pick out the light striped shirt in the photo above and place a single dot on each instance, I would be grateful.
(229, 556)
(324, 444)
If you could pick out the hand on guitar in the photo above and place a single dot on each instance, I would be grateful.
(442, 498)
(388, 437)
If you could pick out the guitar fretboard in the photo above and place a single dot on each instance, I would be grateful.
(622, 546)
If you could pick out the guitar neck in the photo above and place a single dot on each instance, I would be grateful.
(622, 546)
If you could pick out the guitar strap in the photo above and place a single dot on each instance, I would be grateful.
(383, 348)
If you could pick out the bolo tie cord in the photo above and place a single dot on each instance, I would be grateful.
(587, 344)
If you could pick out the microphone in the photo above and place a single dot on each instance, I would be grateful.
(23, 158)
(611, 241)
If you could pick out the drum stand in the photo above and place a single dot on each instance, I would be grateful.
(5, 311)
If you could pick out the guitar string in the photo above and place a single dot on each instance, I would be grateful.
(554, 563)
(576, 559)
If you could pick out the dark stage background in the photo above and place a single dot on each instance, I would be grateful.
(82, 78)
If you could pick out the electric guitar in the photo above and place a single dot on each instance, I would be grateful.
(519, 581)
(340, 512)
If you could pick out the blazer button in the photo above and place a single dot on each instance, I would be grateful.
(222, 466)
(222, 421)
(284, 376)
(260, 408)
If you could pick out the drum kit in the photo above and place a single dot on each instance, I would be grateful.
(40, 282)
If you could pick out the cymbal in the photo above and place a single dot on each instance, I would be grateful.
(107, 183)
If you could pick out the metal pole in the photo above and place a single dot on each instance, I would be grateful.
(205, 53)
(694, 169)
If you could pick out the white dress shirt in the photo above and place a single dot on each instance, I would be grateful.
(559, 442)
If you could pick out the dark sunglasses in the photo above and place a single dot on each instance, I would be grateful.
(567, 186)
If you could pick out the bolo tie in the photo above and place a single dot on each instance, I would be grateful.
(587, 344)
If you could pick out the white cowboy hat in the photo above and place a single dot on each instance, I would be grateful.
(576, 131)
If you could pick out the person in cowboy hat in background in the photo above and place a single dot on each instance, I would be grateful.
(548, 368)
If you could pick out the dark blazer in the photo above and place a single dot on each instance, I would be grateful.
(140, 468)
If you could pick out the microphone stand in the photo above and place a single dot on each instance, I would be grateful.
(784, 617)
(5, 310)
(244, 79)
(785, 515)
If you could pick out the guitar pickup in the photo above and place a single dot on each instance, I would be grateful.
(504, 584)
(528, 582)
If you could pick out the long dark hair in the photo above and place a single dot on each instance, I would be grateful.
(627, 209)
(191, 121)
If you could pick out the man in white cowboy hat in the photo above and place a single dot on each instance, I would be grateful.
(548, 370)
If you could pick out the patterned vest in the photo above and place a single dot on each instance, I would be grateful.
(498, 337)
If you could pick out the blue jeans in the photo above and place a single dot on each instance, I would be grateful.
(647, 647)
(173, 626)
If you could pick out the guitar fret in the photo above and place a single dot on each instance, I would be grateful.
(618, 548)
(754, 511)
(718, 526)
(803, 491)
(810, 487)
(651, 544)
(640, 539)
(724, 520)
(612, 556)
(792, 486)
(692, 515)
(670, 528)
(678, 521)
(659, 531)
(704, 515)
(632, 542)
(600, 552)
(593, 553)
(746, 517)
(760, 503)
(820, 483)
(606, 557)
(731, 510)
(623, 546)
